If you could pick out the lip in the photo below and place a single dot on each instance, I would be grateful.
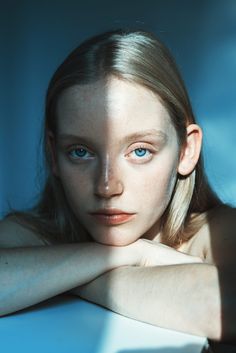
(110, 211)
(112, 216)
(113, 219)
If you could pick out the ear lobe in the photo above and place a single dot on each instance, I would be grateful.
(52, 150)
(191, 150)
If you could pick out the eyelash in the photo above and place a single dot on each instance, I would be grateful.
(76, 148)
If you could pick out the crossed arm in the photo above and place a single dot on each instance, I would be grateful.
(162, 287)
(181, 297)
(197, 298)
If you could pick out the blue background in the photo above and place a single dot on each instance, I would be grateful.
(37, 35)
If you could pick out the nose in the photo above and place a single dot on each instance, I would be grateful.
(108, 181)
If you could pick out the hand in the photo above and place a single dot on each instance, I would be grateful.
(151, 253)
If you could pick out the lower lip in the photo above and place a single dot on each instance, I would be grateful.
(113, 219)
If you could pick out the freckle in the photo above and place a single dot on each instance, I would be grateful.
(6, 263)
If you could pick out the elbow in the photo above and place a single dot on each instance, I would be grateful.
(228, 327)
(227, 289)
(222, 325)
(220, 316)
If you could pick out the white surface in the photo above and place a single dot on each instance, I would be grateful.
(67, 324)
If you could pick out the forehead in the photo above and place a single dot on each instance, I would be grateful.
(114, 103)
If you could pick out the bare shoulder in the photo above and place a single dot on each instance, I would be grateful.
(13, 234)
(216, 240)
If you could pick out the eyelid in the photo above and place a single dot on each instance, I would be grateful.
(132, 148)
(143, 145)
(77, 146)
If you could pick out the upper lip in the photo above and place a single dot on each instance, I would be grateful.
(110, 211)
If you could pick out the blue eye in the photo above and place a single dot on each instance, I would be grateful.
(78, 153)
(140, 152)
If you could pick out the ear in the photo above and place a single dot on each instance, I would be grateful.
(191, 150)
(51, 142)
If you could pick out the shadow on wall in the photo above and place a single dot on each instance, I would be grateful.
(192, 348)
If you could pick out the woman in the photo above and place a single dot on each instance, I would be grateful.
(126, 214)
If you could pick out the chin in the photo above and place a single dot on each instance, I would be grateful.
(114, 241)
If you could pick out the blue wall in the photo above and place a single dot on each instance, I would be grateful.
(37, 35)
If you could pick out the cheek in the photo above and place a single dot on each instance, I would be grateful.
(156, 186)
(76, 185)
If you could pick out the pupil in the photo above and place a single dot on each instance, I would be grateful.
(141, 151)
(80, 152)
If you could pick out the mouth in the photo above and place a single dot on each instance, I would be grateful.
(114, 218)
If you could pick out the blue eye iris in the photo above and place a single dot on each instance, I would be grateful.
(83, 154)
(79, 152)
(141, 152)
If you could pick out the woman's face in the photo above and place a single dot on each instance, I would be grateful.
(116, 148)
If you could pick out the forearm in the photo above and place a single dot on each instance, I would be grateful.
(31, 275)
(180, 297)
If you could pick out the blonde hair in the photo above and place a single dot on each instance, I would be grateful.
(139, 57)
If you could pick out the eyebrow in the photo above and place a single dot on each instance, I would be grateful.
(137, 135)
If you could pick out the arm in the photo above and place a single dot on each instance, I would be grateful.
(31, 274)
(194, 298)
(161, 296)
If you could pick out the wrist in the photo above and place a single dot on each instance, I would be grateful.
(115, 256)
(126, 255)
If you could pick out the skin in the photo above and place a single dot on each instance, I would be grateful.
(112, 175)
(110, 171)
